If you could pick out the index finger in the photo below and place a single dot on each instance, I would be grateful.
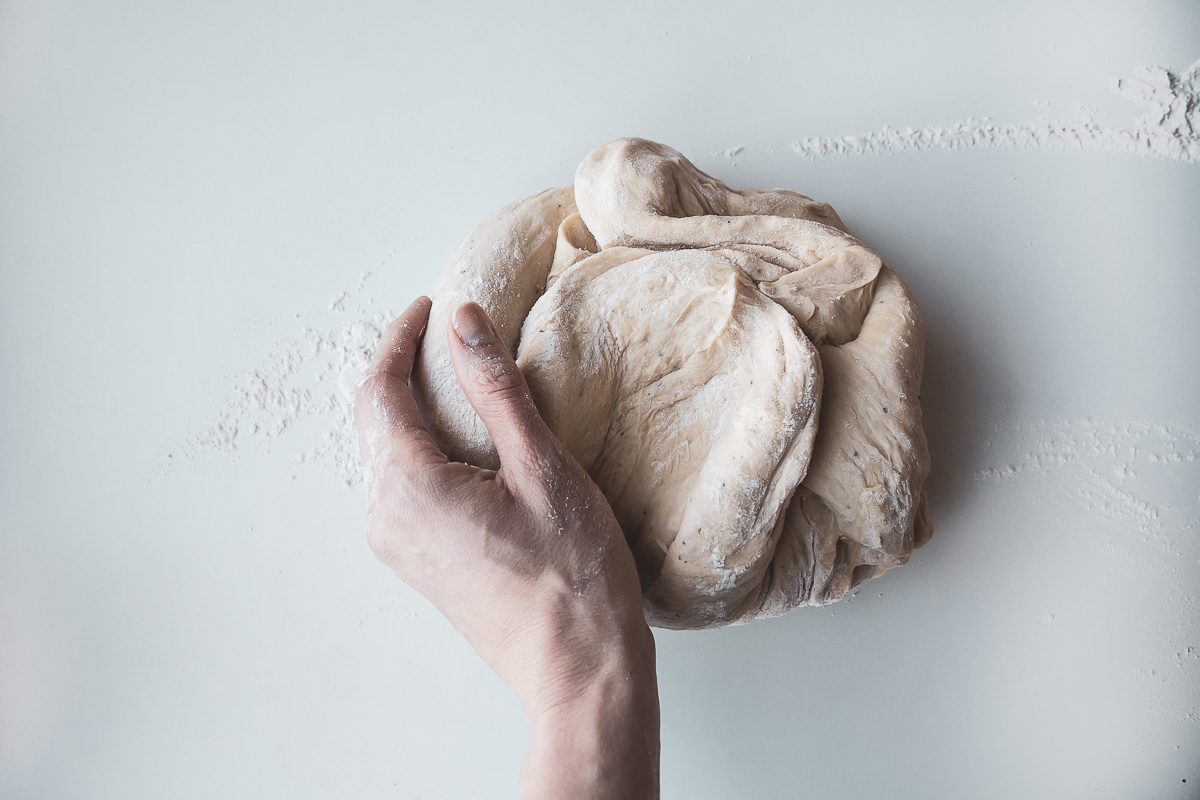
(384, 405)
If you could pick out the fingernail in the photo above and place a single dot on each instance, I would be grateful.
(472, 326)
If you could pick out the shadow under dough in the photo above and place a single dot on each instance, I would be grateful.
(955, 390)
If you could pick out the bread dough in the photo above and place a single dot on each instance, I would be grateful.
(737, 373)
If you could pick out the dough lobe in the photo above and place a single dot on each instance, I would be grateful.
(737, 373)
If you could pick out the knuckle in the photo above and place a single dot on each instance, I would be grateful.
(501, 378)
(401, 505)
(533, 460)
(369, 395)
(535, 472)
(371, 385)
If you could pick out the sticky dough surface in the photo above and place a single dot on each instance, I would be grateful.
(738, 374)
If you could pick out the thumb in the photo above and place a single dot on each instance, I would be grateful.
(496, 389)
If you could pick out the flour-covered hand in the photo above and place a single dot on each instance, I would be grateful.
(527, 561)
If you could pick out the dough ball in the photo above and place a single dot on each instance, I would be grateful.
(737, 373)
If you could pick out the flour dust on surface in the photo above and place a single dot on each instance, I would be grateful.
(1137, 486)
(311, 375)
(1169, 127)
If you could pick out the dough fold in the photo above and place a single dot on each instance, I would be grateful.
(737, 373)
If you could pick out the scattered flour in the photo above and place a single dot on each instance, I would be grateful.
(1140, 482)
(731, 153)
(1169, 128)
(1116, 470)
(308, 376)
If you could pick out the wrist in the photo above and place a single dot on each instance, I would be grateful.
(614, 668)
(600, 738)
(581, 648)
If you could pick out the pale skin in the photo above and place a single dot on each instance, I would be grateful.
(527, 562)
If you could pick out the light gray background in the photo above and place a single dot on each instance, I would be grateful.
(179, 181)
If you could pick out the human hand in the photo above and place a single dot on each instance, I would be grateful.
(528, 561)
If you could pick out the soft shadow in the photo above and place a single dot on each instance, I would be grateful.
(953, 393)
(958, 387)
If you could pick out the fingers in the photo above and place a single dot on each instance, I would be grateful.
(398, 348)
(497, 391)
(384, 409)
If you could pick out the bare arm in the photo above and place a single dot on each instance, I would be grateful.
(528, 562)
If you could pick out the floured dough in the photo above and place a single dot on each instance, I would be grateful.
(737, 373)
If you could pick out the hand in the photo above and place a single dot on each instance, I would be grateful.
(528, 561)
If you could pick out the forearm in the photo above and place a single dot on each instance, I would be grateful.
(604, 741)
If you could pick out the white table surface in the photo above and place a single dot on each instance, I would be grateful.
(185, 185)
